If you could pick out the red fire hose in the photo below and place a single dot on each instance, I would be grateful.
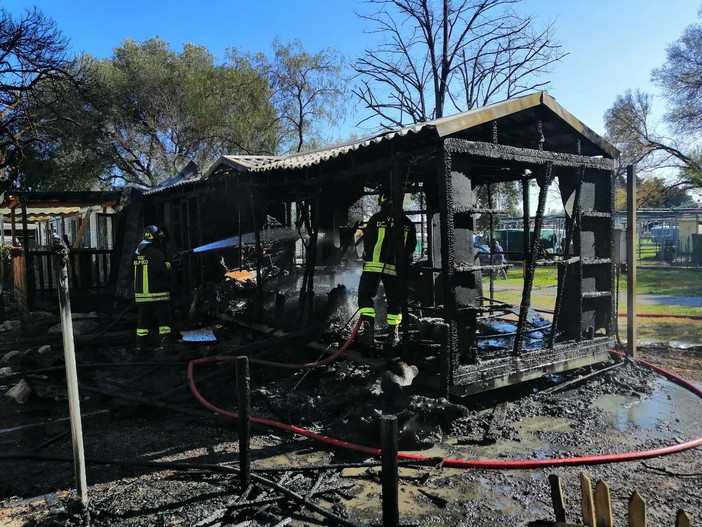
(449, 462)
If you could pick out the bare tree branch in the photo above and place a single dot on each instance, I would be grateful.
(465, 52)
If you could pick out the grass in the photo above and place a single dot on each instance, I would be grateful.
(675, 282)
(663, 282)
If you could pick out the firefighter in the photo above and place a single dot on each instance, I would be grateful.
(379, 264)
(151, 289)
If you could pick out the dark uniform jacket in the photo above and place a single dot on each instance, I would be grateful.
(151, 277)
(379, 243)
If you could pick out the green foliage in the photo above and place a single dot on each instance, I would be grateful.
(655, 193)
(307, 91)
(505, 195)
(630, 127)
(164, 109)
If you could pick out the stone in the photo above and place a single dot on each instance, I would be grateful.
(10, 325)
(44, 349)
(80, 327)
(13, 356)
(39, 317)
(20, 392)
(84, 316)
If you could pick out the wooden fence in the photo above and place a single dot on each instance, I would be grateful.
(33, 273)
(89, 270)
(596, 508)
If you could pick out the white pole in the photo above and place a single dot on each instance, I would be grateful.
(61, 263)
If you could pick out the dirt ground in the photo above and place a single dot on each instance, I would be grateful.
(626, 408)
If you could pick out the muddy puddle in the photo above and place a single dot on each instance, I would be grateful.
(665, 408)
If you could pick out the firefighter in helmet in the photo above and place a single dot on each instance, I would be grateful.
(379, 264)
(152, 289)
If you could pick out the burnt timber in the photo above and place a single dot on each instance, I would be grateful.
(441, 164)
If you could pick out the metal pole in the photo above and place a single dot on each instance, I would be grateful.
(491, 243)
(243, 385)
(389, 475)
(526, 227)
(631, 261)
(60, 252)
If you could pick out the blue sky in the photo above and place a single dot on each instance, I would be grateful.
(613, 44)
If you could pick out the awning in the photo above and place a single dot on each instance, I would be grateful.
(43, 213)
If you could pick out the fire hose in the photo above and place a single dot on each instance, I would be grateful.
(447, 462)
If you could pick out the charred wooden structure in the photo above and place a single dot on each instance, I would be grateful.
(441, 164)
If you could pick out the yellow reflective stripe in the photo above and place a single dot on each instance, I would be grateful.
(378, 244)
(142, 332)
(367, 311)
(394, 320)
(151, 297)
(161, 295)
(164, 330)
(145, 279)
(380, 267)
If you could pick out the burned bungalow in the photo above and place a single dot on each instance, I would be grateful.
(286, 230)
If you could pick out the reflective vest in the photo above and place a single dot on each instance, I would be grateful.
(151, 274)
(379, 243)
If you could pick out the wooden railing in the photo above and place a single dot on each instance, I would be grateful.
(89, 270)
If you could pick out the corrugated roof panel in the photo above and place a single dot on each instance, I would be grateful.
(444, 126)
(314, 157)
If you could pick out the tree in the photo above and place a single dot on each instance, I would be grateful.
(681, 80)
(655, 193)
(307, 90)
(165, 109)
(443, 55)
(630, 125)
(35, 73)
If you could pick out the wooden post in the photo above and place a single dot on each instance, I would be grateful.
(588, 505)
(85, 223)
(389, 476)
(682, 519)
(603, 505)
(637, 511)
(631, 262)
(243, 384)
(61, 257)
(30, 287)
(557, 497)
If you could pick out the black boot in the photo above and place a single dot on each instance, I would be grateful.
(366, 333)
(391, 348)
(141, 350)
(164, 349)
